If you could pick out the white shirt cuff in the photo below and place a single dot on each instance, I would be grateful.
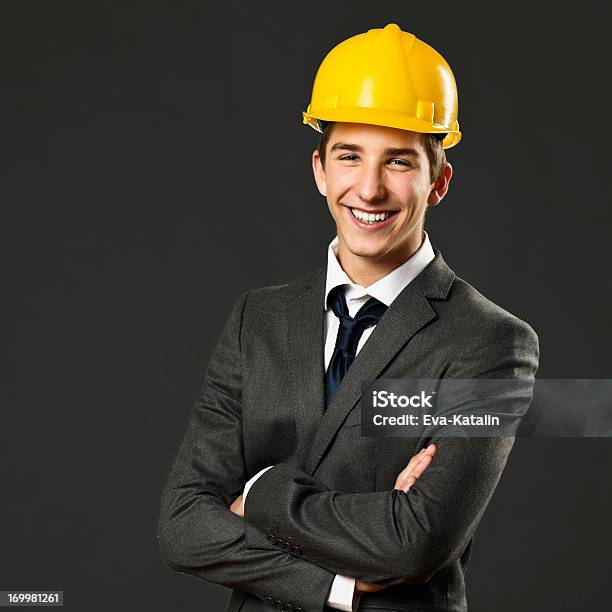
(250, 483)
(343, 595)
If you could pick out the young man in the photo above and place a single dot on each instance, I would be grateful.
(328, 517)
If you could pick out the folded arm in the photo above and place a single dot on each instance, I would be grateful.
(391, 534)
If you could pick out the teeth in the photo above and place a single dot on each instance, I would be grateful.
(370, 217)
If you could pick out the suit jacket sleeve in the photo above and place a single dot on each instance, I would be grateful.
(392, 534)
(198, 534)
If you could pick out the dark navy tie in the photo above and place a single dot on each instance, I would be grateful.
(349, 332)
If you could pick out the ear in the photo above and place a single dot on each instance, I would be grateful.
(440, 186)
(319, 173)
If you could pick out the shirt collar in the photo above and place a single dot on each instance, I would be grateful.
(385, 289)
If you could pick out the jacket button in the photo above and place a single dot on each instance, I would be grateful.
(278, 603)
(269, 599)
(272, 538)
(288, 607)
(299, 609)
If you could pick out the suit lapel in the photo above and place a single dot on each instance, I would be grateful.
(305, 344)
(408, 313)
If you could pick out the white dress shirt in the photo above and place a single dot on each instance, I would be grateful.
(342, 594)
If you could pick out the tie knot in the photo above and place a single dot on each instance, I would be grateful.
(351, 328)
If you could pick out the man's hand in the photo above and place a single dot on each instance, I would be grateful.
(416, 466)
(236, 506)
(368, 587)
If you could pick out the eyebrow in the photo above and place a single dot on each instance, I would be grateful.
(345, 146)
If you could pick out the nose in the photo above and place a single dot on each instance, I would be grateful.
(370, 186)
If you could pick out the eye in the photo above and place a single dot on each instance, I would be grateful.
(401, 162)
(350, 157)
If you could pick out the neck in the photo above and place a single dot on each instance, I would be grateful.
(365, 271)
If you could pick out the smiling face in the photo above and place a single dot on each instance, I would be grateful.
(378, 187)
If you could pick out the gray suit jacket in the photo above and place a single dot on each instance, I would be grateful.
(328, 506)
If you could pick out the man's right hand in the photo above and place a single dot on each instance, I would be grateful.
(368, 587)
(405, 479)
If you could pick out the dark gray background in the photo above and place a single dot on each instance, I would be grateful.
(155, 166)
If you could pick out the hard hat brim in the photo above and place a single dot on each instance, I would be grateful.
(372, 116)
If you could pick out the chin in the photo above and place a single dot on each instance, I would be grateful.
(363, 248)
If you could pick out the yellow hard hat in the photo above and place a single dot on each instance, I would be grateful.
(386, 77)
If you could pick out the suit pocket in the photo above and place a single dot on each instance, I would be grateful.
(353, 418)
